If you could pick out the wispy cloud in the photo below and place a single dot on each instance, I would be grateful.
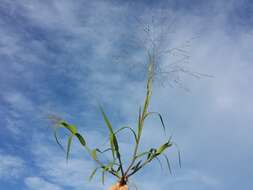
(11, 167)
(60, 58)
(37, 183)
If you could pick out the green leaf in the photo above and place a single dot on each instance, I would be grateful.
(57, 140)
(93, 173)
(108, 124)
(68, 147)
(118, 169)
(168, 163)
(126, 127)
(141, 154)
(179, 158)
(103, 150)
(71, 128)
(159, 161)
(94, 154)
(179, 155)
(139, 124)
(163, 147)
(113, 139)
(103, 177)
(151, 153)
(160, 117)
(81, 139)
(115, 143)
(136, 166)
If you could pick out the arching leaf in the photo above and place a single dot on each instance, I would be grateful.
(159, 161)
(160, 117)
(113, 139)
(94, 154)
(81, 139)
(71, 128)
(68, 147)
(93, 173)
(163, 147)
(57, 139)
(168, 163)
(127, 127)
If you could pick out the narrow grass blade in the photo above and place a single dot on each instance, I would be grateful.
(139, 124)
(81, 139)
(68, 147)
(160, 117)
(103, 177)
(93, 173)
(126, 127)
(71, 128)
(57, 139)
(179, 158)
(159, 161)
(179, 155)
(136, 166)
(109, 126)
(163, 147)
(168, 163)
(94, 154)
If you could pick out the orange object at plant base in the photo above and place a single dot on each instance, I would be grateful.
(117, 186)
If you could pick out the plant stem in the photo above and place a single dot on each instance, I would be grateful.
(145, 108)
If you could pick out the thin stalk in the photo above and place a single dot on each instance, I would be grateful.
(120, 164)
(145, 108)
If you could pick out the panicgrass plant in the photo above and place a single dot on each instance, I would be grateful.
(139, 159)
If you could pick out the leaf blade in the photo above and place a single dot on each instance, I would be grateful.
(68, 147)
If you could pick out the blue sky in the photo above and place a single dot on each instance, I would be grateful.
(64, 57)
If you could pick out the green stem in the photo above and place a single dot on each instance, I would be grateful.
(145, 108)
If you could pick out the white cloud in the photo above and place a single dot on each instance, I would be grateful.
(18, 101)
(38, 183)
(207, 121)
(76, 172)
(11, 166)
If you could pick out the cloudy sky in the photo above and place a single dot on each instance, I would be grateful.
(63, 57)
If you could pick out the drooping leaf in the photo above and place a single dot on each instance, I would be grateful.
(93, 173)
(112, 136)
(94, 154)
(179, 159)
(57, 139)
(179, 155)
(151, 153)
(136, 166)
(160, 117)
(141, 154)
(168, 163)
(159, 161)
(163, 147)
(81, 139)
(103, 177)
(103, 151)
(68, 147)
(126, 127)
(71, 128)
